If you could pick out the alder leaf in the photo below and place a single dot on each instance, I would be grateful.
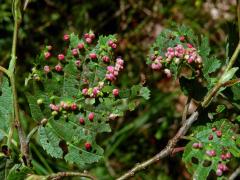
(18, 172)
(210, 65)
(58, 98)
(6, 110)
(197, 160)
(50, 142)
(228, 75)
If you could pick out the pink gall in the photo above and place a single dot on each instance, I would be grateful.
(88, 146)
(78, 63)
(182, 38)
(61, 57)
(91, 116)
(66, 37)
(58, 68)
(93, 56)
(88, 40)
(74, 52)
(81, 121)
(74, 107)
(115, 92)
(110, 69)
(106, 59)
(47, 55)
(80, 46)
(85, 91)
(46, 69)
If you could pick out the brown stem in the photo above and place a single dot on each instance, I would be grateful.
(231, 82)
(11, 73)
(177, 150)
(233, 58)
(17, 123)
(5, 71)
(235, 174)
(60, 175)
(238, 16)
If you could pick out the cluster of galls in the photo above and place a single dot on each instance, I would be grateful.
(96, 91)
(63, 106)
(113, 71)
(81, 49)
(88, 37)
(80, 54)
(225, 156)
(66, 107)
(176, 54)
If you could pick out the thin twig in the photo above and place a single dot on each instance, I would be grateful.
(231, 82)
(233, 58)
(68, 174)
(17, 123)
(26, 4)
(5, 71)
(177, 150)
(235, 174)
(11, 69)
(32, 132)
(17, 21)
(238, 16)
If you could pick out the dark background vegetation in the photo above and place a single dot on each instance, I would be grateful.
(143, 132)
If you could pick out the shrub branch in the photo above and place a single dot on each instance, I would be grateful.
(187, 123)
(16, 8)
(235, 174)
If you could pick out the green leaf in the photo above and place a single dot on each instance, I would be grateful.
(236, 89)
(103, 40)
(210, 65)
(74, 40)
(145, 93)
(175, 68)
(220, 108)
(132, 105)
(135, 90)
(3, 166)
(81, 156)
(50, 142)
(42, 111)
(228, 75)
(6, 107)
(204, 48)
(18, 172)
(70, 82)
(188, 32)
(197, 161)
(90, 101)
(238, 118)
(63, 136)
